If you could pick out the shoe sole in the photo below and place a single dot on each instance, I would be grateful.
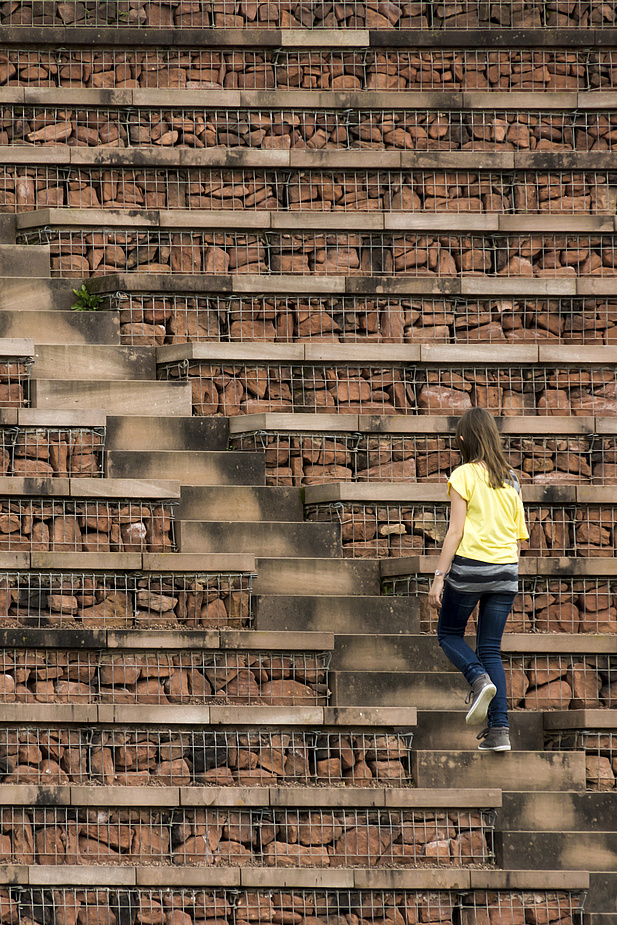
(498, 748)
(478, 711)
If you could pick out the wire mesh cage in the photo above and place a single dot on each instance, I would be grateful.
(543, 605)
(250, 189)
(415, 529)
(125, 599)
(233, 837)
(50, 452)
(515, 390)
(316, 14)
(164, 676)
(452, 907)
(561, 681)
(544, 70)
(313, 458)
(180, 757)
(161, 318)
(310, 129)
(600, 748)
(109, 525)
(79, 253)
(15, 377)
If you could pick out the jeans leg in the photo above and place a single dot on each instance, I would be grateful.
(456, 608)
(493, 613)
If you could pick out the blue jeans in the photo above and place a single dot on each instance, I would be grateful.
(456, 608)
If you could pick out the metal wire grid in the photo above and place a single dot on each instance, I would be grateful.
(561, 682)
(543, 605)
(285, 14)
(392, 530)
(78, 253)
(144, 756)
(161, 318)
(297, 458)
(268, 128)
(89, 526)
(459, 191)
(600, 747)
(242, 389)
(234, 676)
(15, 374)
(41, 599)
(396, 389)
(26, 904)
(75, 452)
(270, 838)
(431, 69)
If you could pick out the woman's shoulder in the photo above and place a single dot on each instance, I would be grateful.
(466, 472)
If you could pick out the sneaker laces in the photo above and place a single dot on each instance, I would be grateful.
(469, 697)
(483, 734)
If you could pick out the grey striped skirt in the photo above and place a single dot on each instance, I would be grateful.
(470, 576)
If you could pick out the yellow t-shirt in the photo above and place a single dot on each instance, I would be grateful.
(495, 516)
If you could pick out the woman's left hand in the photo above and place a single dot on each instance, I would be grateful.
(435, 591)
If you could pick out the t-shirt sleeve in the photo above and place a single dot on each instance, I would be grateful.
(462, 481)
(522, 533)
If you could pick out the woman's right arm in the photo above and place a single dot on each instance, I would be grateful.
(452, 540)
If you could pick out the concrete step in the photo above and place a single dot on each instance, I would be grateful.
(7, 228)
(133, 432)
(61, 327)
(269, 538)
(427, 690)
(571, 850)
(552, 811)
(138, 397)
(354, 577)
(38, 294)
(25, 260)
(446, 729)
(58, 361)
(388, 652)
(191, 467)
(368, 614)
(602, 899)
(602, 918)
(256, 503)
(514, 770)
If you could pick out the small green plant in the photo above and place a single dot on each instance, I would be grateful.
(86, 301)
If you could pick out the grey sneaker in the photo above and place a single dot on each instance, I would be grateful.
(482, 692)
(495, 739)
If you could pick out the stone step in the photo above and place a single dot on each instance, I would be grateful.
(445, 729)
(555, 811)
(24, 260)
(602, 918)
(241, 502)
(367, 614)
(270, 538)
(560, 771)
(317, 576)
(426, 690)
(572, 850)
(37, 294)
(373, 652)
(125, 397)
(191, 467)
(50, 327)
(7, 228)
(133, 432)
(602, 897)
(59, 361)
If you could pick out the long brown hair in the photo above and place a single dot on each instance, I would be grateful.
(479, 441)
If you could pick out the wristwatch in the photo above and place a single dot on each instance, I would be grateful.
(439, 574)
